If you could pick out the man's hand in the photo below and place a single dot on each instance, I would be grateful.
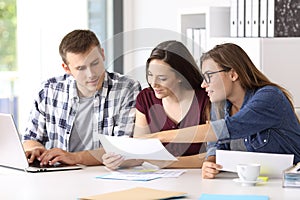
(35, 150)
(34, 153)
(50, 157)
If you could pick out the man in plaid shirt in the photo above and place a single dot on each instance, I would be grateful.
(70, 111)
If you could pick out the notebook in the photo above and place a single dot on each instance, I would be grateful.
(140, 193)
(12, 154)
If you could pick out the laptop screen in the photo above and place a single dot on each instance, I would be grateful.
(12, 153)
(11, 150)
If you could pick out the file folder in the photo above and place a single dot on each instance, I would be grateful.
(255, 18)
(241, 18)
(196, 42)
(189, 39)
(233, 18)
(283, 18)
(248, 18)
(271, 18)
(140, 193)
(263, 18)
(202, 41)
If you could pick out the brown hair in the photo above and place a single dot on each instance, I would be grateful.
(184, 65)
(231, 56)
(180, 59)
(77, 41)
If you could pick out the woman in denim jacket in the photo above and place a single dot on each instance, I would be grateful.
(259, 114)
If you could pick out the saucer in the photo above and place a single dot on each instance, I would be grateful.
(247, 183)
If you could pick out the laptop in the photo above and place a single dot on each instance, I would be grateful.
(12, 154)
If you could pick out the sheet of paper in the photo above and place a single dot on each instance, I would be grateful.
(145, 167)
(133, 148)
(142, 175)
(272, 165)
(162, 173)
(169, 173)
(140, 193)
(130, 176)
(295, 169)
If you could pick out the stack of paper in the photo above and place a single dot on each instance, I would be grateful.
(291, 177)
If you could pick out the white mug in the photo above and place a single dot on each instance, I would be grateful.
(248, 172)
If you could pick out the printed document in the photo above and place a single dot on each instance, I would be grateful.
(141, 173)
(136, 148)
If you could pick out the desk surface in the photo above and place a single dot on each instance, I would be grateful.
(81, 183)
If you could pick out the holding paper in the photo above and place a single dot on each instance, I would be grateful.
(272, 164)
(132, 148)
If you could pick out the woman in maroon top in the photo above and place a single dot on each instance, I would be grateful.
(174, 100)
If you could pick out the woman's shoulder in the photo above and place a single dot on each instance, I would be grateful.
(147, 95)
(146, 92)
(270, 90)
(270, 96)
(269, 87)
(145, 99)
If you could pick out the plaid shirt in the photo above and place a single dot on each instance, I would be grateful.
(54, 110)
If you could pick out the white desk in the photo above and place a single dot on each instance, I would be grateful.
(81, 183)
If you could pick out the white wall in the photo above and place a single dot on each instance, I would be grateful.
(41, 26)
(146, 23)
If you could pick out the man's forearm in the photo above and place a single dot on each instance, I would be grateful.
(31, 144)
(90, 157)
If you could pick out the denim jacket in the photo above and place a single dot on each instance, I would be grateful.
(266, 122)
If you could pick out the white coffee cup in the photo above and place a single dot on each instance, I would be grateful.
(248, 172)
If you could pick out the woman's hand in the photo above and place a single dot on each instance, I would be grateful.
(112, 161)
(210, 169)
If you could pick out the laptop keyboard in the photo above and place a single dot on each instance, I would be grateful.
(36, 163)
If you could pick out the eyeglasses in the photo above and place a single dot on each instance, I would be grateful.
(207, 75)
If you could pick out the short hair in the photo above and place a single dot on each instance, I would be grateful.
(78, 41)
(180, 59)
